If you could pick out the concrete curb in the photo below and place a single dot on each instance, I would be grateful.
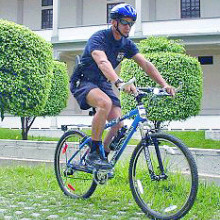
(38, 150)
(34, 152)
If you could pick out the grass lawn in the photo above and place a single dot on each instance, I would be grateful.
(33, 193)
(16, 135)
(193, 139)
(196, 139)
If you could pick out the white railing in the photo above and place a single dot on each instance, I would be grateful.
(79, 33)
(157, 28)
(46, 34)
(182, 27)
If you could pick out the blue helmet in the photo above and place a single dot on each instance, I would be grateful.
(123, 10)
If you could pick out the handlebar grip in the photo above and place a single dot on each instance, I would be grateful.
(160, 92)
(123, 85)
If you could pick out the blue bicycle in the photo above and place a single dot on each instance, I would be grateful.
(162, 172)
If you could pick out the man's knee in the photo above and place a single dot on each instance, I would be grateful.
(105, 104)
(99, 100)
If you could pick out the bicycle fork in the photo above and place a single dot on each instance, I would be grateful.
(154, 177)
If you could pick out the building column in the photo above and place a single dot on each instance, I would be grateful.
(20, 11)
(138, 24)
(56, 15)
(79, 12)
(152, 10)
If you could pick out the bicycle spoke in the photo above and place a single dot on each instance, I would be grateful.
(165, 196)
(73, 181)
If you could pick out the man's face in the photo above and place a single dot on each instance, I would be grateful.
(125, 25)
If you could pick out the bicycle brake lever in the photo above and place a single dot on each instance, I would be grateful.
(179, 88)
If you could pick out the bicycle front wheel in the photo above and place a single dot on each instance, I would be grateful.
(71, 171)
(173, 192)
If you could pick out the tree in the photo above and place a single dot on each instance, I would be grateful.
(26, 66)
(59, 93)
(175, 66)
(57, 99)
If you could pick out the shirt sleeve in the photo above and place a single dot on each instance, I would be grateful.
(96, 42)
(131, 50)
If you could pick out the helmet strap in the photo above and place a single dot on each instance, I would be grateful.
(117, 29)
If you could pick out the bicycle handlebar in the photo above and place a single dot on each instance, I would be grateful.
(129, 82)
(146, 90)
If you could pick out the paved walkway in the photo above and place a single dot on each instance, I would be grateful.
(54, 205)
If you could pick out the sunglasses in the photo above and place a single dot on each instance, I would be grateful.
(124, 22)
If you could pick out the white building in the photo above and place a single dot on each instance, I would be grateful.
(69, 23)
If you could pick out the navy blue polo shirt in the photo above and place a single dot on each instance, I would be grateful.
(115, 50)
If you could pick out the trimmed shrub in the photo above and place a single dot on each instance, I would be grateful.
(57, 99)
(59, 92)
(160, 44)
(25, 70)
(175, 68)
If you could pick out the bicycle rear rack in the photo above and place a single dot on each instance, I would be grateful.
(77, 126)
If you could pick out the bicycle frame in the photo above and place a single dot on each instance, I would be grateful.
(131, 130)
(128, 135)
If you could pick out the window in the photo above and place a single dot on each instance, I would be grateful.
(190, 8)
(47, 18)
(109, 8)
(47, 14)
(206, 60)
(47, 2)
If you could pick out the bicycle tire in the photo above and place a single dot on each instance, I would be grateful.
(73, 182)
(170, 198)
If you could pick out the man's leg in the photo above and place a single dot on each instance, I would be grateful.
(114, 113)
(103, 104)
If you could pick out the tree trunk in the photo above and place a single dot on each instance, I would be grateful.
(26, 123)
(1, 107)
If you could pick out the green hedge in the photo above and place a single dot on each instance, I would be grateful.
(175, 68)
(160, 44)
(59, 92)
(25, 70)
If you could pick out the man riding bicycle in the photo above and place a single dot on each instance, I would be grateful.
(91, 82)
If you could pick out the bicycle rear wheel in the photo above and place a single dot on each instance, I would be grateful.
(171, 196)
(73, 176)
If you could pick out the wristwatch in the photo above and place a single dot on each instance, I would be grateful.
(118, 81)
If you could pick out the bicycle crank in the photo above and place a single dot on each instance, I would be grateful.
(100, 176)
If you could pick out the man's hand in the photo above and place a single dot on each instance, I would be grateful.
(131, 89)
(171, 90)
(128, 88)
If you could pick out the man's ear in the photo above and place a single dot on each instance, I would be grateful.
(114, 23)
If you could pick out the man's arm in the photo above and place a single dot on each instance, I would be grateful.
(152, 71)
(104, 65)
